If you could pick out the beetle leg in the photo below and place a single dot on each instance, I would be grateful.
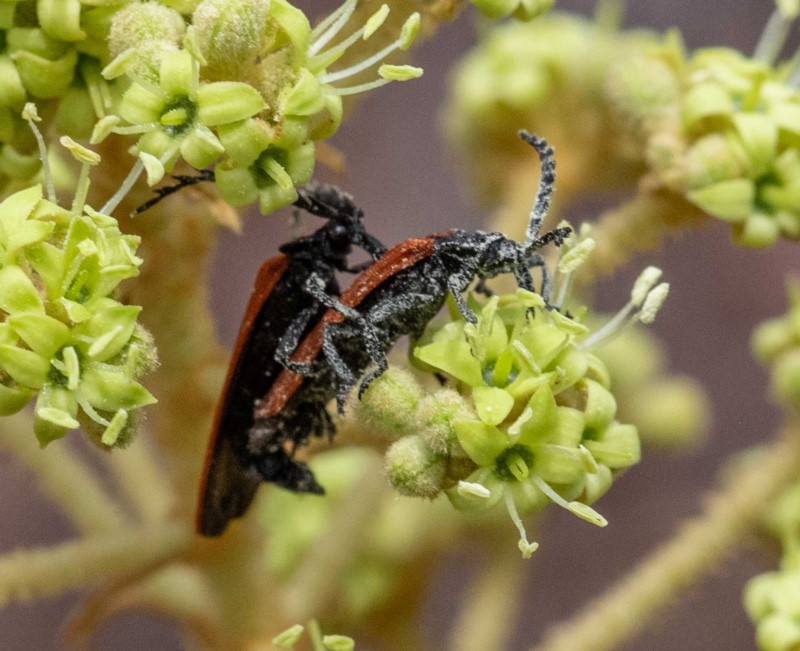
(456, 285)
(290, 340)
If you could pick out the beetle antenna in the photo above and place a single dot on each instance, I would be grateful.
(541, 203)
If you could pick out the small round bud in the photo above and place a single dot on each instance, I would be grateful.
(435, 416)
(413, 469)
(140, 22)
(230, 34)
(390, 403)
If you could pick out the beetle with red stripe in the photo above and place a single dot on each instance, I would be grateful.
(395, 296)
(232, 473)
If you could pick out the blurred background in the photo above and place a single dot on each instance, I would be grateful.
(401, 172)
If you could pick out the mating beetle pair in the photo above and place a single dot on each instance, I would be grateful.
(325, 351)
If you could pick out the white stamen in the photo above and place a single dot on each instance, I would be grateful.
(330, 28)
(30, 114)
(527, 548)
(363, 65)
(361, 88)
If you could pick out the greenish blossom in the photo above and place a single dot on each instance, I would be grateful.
(777, 343)
(65, 339)
(534, 420)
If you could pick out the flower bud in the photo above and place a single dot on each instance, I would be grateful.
(435, 416)
(413, 469)
(230, 34)
(390, 403)
(137, 23)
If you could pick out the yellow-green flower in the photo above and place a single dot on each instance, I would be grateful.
(64, 338)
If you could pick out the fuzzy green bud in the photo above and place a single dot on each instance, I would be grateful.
(137, 23)
(413, 469)
(435, 417)
(390, 403)
(230, 34)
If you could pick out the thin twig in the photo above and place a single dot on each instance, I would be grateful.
(701, 545)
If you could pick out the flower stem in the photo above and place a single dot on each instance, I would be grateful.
(492, 604)
(698, 548)
(316, 582)
(37, 573)
(63, 477)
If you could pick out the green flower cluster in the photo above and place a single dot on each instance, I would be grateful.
(777, 343)
(243, 84)
(64, 338)
(721, 129)
(530, 418)
(771, 599)
(51, 51)
(543, 74)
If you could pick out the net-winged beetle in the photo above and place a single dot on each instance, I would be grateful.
(397, 295)
(231, 473)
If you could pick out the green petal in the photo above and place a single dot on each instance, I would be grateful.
(13, 399)
(558, 464)
(26, 367)
(617, 446)
(328, 123)
(305, 97)
(759, 137)
(46, 431)
(571, 365)
(140, 106)
(60, 19)
(177, 75)
(481, 442)
(110, 390)
(492, 404)
(757, 232)
(544, 417)
(245, 140)
(223, 102)
(18, 207)
(601, 407)
(709, 99)
(787, 116)
(274, 197)
(570, 425)
(236, 185)
(45, 78)
(201, 147)
(293, 25)
(597, 484)
(43, 334)
(48, 262)
(108, 331)
(454, 358)
(467, 503)
(300, 163)
(731, 201)
(12, 92)
(17, 293)
(544, 342)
